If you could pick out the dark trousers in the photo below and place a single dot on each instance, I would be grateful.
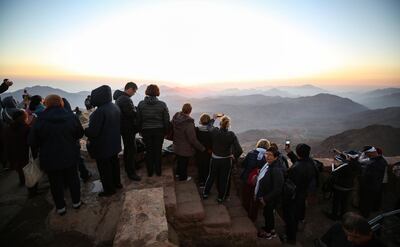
(367, 199)
(109, 173)
(130, 151)
(58, 181)
(269, 216)
(300, 201)
(203, 165)
(220, 169)
(289, 216)
(153, 140)
(340, 201)
(181, 169)
(83, 171)
(21, 175)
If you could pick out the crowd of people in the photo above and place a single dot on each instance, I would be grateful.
(48, 129)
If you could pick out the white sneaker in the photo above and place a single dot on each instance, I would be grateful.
(188, 178)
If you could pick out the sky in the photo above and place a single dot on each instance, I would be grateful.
(79, 45)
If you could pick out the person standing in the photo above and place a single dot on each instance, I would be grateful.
(104, 140)
(225, 148)
(55, 133)
(3, 87)
(371, 180)
(184, 141)
(301, 173)
(129, 127)
(268, 190)
(153, 119)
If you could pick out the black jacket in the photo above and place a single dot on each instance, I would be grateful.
(344, 175)
(55, 133)
(271, 185)
(250, 162)
(10, 107)
(153, 114)
(372, 175)
(225, 143)
(3, 87)
(103, 133)
(128, 112)
(302, 172)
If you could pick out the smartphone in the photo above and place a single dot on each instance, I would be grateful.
(287, 143)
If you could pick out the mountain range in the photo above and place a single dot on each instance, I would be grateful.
(306, 118)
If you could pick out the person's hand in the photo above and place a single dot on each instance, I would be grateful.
(287, 149)
(9, 83)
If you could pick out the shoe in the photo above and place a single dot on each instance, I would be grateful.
(62, 211)
(188, 178)
(105, 194)
(134, 177)
(205, 196)
(77, 205)
(118, 186)
(219, 200)
(264, 235)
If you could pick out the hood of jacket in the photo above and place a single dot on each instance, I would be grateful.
(119, 93)
(55, 115)
(9, 102)
(180, 120)
(101, 96)
(151, 100)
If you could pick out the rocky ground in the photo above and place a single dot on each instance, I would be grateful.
(33, 222)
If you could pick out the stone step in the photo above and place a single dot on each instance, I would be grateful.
(189, 206)
(217, 220)
(243, 231)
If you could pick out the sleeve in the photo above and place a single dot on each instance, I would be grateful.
(79, 129)
(245, 161)
(237, 149)
(127, 108)
(95, 124)
(166, 117)
(191, 135)
(292, 156)
(3, 87)
(33, 136)
(277, 177)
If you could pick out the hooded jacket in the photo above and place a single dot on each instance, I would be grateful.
(153, 113)
(55, 133)
(103, 132)
(185, 140)
(128, 112)
(270, 186)
(10, 107)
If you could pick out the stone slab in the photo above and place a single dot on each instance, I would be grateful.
(143, 221)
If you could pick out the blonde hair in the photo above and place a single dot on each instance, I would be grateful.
(53, 100)
(263, 143)
(225, 122)
(186, 108)
(204, 119)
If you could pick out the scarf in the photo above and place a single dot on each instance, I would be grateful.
(261, 153)
(262, 173)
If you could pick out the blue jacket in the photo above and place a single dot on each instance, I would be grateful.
(103, 133)
(55, 133)
(251, 162)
